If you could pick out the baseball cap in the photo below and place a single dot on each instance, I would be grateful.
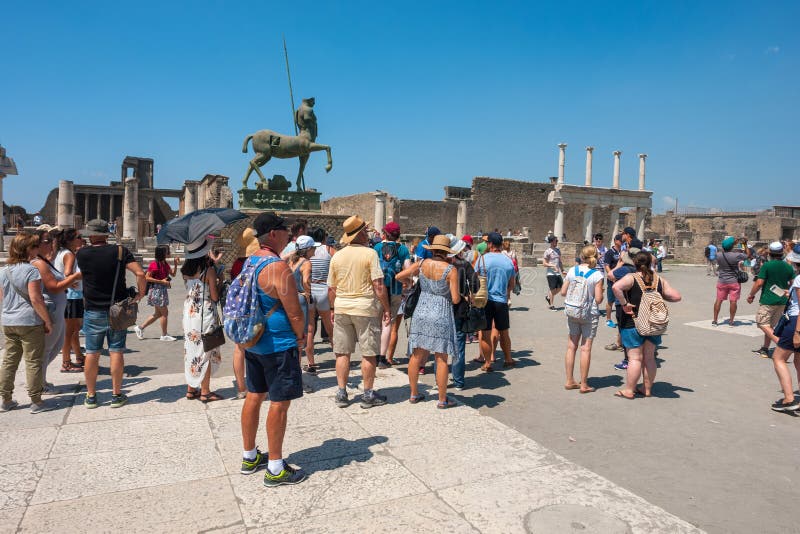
(432, 232)
(728, 242)
(467, 239)
(776, 246)
(267, 222)
(305, 242)
(630, 231)
(392, 228)
(495, 238)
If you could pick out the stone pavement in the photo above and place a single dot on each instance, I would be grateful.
(166, 464)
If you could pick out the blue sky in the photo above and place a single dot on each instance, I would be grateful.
(412, 96)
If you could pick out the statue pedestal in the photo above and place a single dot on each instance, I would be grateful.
(269, 200)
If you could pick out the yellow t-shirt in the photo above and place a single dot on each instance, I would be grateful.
(351, 272)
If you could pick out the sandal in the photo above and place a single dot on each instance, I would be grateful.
(210, 397)
(621, 395)
(487, 368)
(69, 367)
(449, 403)
(479, 359)
(416, 398)
(311, 369)
(192, 394)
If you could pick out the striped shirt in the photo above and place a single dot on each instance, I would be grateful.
(320, 262)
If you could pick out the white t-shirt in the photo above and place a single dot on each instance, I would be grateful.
(591, 281)
(794, 308)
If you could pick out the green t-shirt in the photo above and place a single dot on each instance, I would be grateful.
(481, 248)
(774, 272)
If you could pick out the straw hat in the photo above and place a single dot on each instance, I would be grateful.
(247, 237)
(440, 242)
(352, 226)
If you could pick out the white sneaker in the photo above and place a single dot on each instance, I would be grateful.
(139, 332)
(168, 338)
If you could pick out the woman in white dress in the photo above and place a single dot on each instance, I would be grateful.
(199, 317)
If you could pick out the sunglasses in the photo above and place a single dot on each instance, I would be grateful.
(43, 241)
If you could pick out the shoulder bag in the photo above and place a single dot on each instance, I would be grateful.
(783, 322)
(122, 314)
(216, 336)
(481, 297)
(741, 276)
(410, 303)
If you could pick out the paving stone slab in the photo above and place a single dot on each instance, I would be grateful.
(18, 483)
(26, 444)
(131, 433)
(744, 325)
(502, 504)
(196, 507)
(333, 486)
(418, 513)
(72, 477)
(10, 518)
(22, 418)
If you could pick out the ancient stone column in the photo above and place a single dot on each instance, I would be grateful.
(86, 208)
(379, 221)
(151, 213)
(99, 206)
(588, 222)
(461, 219)
(642, 157)
(130, 210)
(614, 223)
(65, 211)
(641, 215)
(562, 159)
(189, 196)
(589, 150)
(111, 201)
(617, 154)
(558, 224)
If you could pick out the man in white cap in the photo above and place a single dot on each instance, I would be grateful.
(359, 298)
(773, 280)
(103, 267)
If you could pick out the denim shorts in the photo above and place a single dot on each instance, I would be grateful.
(631, 338)
(785, 342)
(96, 328)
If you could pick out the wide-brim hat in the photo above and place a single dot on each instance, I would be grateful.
(352, 226)
(197, 249)
(440, 242)
(95, 227)
(458, 247)
(246, 237)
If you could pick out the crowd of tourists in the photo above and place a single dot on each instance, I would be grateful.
(357, 289)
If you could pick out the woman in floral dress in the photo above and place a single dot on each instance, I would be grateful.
(199, 316)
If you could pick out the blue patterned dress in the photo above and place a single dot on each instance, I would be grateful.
(432, 325)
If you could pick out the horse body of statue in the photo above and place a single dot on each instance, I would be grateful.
(268, 144)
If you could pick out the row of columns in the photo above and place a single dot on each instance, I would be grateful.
(562, 160)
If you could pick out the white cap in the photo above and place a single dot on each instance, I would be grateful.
(305, 242)
(776, 246)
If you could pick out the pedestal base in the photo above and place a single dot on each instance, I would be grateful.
(261, 199)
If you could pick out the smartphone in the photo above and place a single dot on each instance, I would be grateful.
(777, 290)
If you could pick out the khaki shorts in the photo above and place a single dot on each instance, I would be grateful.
(351, 329)
(586, 329)
(769, 315)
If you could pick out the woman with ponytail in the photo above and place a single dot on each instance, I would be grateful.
(641, 349)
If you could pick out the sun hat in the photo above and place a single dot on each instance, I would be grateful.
(776, 247)
(305, 242)
(95, 227)
(352, 226)
(197, 249)
(440, 242)
(247, 236)
(457, 247)
(268, 221)
(727, 243)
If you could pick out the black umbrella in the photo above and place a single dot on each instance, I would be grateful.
(196, 225)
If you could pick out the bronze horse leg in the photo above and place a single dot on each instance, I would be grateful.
(258, 161)
(316, 147)
(301, 183)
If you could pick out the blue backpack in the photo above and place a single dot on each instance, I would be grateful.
(389, 259)
(244, 318)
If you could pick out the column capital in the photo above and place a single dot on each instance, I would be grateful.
(642, 156)
(562, 146)
(589, 148)
(618, 152)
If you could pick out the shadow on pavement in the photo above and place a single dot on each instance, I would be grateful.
(665, 390)
(481, 400)
(602, 382)
(318, 458)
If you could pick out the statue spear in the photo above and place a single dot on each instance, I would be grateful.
(289, 76)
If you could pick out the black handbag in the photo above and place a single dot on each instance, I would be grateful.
(474, 320)
(216, 336)
(411, 301)
(741, 276)
(783, 322)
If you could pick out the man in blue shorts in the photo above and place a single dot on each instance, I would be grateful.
(273, 363)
